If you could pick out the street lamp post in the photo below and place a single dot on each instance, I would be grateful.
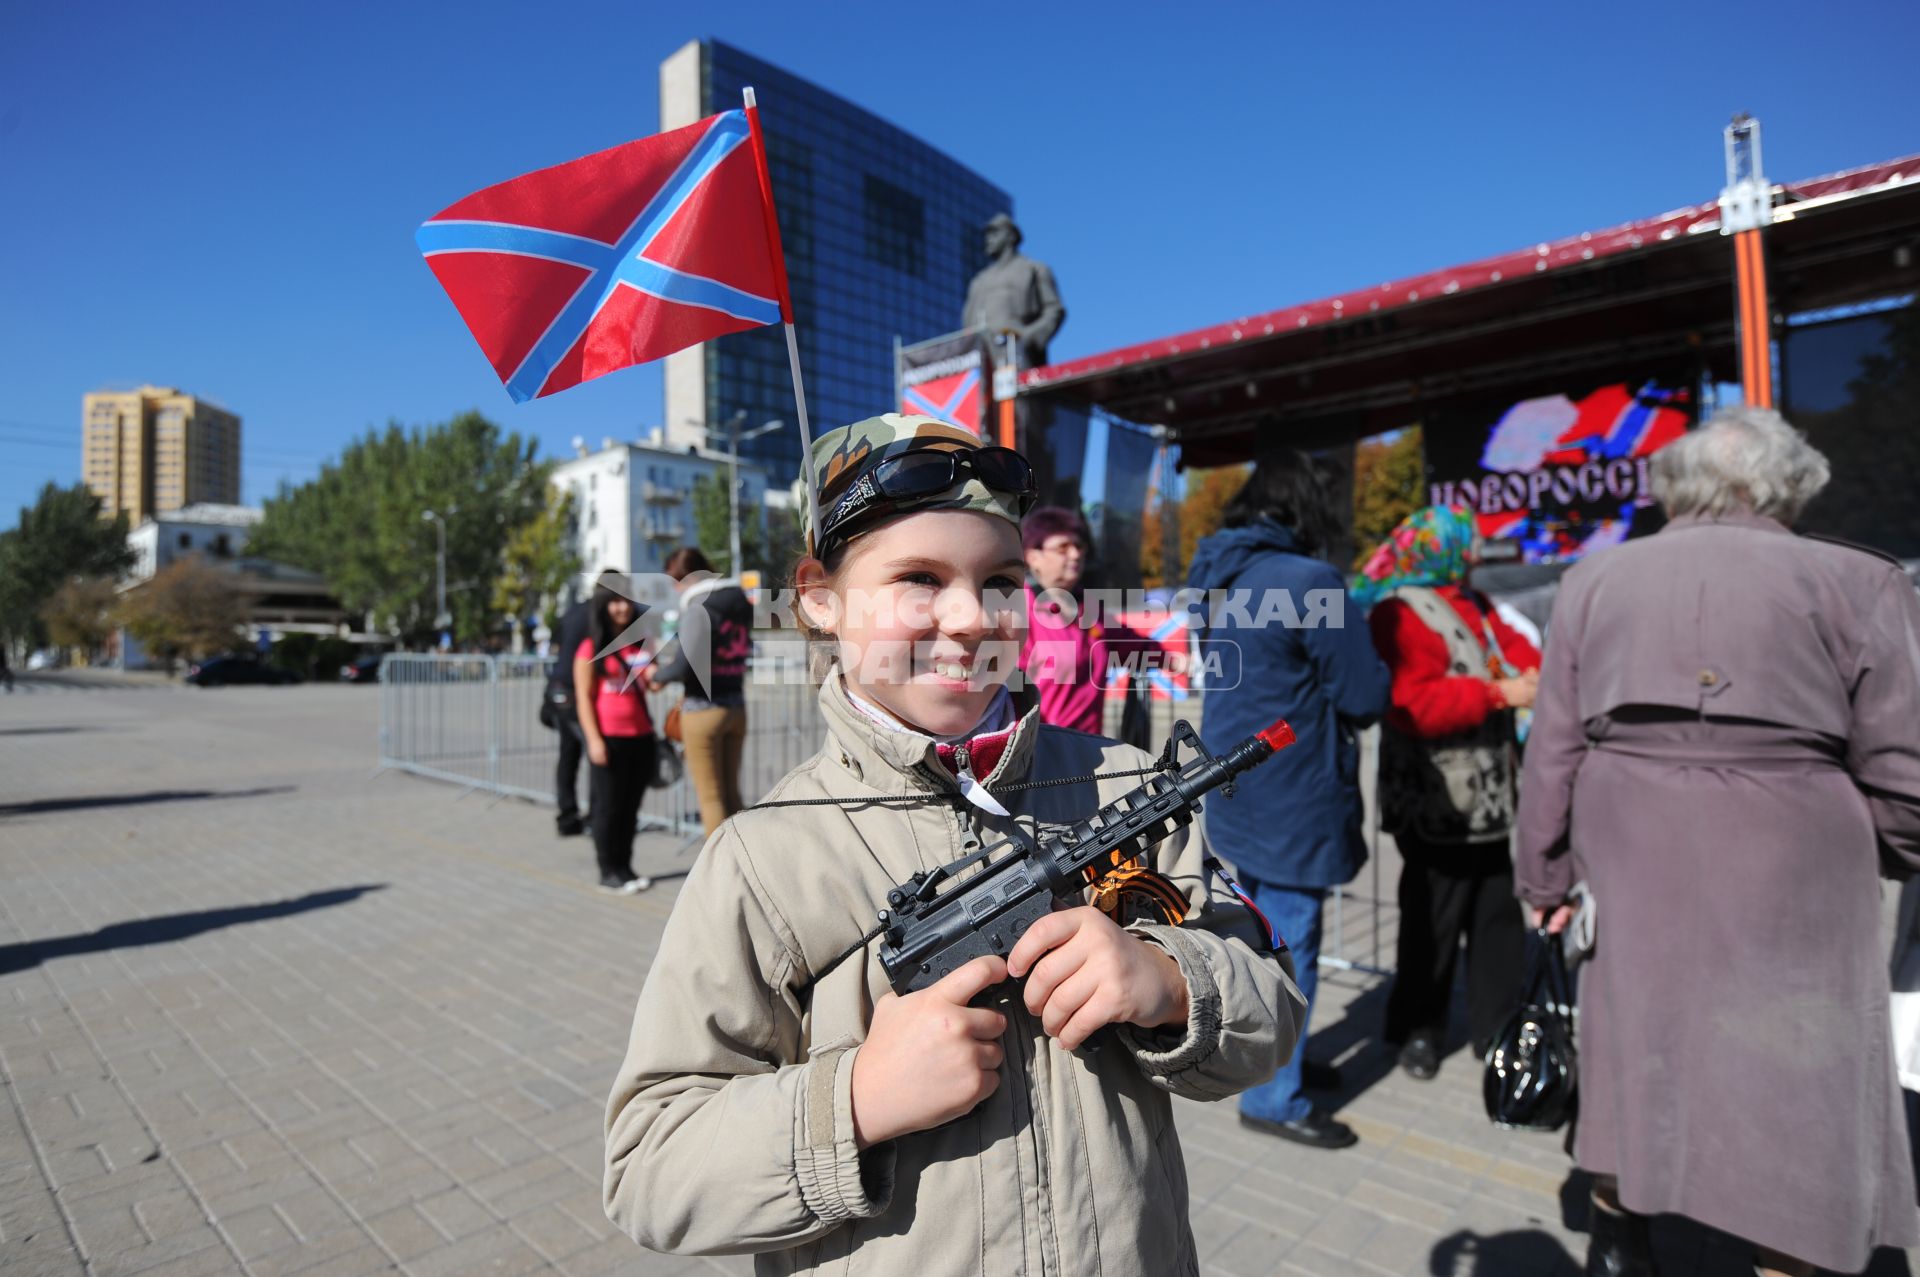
(734, 440)
(440, 620)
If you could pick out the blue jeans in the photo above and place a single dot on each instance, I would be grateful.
(1295, 914)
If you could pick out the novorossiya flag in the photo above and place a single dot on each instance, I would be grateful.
(614, 259)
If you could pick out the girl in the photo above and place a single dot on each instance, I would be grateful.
(612, 708)
(810, 1116)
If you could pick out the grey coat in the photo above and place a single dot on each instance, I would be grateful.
(1726, 746)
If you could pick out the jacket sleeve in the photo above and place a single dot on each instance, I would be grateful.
(723, 1134)
(1345, 663)
(1556, 747)
(1428, 700)
(1517, 647)
(1244, 1012)
(1883, 750)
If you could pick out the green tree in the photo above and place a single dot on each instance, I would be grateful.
(80, 613)
(362, 523)
(537, 562)
(60, 536)
(1389, 483)
(710, 525)
(190, 608)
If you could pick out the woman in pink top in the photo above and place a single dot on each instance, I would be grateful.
(609, 695)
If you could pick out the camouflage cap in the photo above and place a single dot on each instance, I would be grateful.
(841, 456)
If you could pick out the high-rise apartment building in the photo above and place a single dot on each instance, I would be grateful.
(881, 233)
(155, 449)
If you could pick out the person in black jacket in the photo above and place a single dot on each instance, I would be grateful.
(574, 626)
(709, 655)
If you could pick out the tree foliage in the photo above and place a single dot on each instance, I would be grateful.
(190, 608)
(1202, 511)
(60, 536)
(80, 614)
(537, 562)
(710, 520)
(362, 522)
(1389, 483)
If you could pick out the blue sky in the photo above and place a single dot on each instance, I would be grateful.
(223, 196)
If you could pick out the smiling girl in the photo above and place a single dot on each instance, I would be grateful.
(1013, 1118)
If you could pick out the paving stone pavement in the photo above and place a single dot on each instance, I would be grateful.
(263, 1011)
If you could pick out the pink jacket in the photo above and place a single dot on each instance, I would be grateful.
(1067, 665)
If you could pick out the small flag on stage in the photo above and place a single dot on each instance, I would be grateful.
(614, 259)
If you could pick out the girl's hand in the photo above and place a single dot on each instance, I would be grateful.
(597, 750)
(1083, 972)
(929, 1057)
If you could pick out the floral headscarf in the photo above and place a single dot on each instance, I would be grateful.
(1428, 548)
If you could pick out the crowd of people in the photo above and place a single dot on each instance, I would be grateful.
(1716, 740)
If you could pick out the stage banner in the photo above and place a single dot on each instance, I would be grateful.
(949, 378)
(1560, 475)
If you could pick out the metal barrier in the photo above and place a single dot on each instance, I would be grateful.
(475, 721)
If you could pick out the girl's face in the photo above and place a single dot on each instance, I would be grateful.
(926, 611)
(620, 611)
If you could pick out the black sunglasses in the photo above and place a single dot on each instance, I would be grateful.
(925, 473)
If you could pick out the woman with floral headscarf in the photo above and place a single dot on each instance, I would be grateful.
(1447, 778)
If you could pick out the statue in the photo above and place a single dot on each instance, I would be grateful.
(1014, 293)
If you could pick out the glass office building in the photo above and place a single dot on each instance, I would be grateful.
(881, 232)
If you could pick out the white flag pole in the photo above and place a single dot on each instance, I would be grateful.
(786, 317)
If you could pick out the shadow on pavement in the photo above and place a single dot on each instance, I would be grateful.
(1353, 1043)
(41, 806)
(1530, 1251)
(169, 927)
(43, 731)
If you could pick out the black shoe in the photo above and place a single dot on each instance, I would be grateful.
(1420, 1058)
(1618, 1244)
(1315, 1076)
(568, 826)
(1315, 1130)
(614, 882)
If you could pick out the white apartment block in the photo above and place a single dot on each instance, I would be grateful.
(633, 502)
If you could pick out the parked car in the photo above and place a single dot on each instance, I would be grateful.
(223, 670)
(364, 670)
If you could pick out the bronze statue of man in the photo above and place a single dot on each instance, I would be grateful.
(1014, 293)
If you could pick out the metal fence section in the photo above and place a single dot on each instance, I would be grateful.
(474, 721)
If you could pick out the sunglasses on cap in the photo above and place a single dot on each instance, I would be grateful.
(927, 472)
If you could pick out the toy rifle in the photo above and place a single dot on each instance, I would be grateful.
(929, 932)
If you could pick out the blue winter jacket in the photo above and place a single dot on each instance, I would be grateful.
(1294, 821)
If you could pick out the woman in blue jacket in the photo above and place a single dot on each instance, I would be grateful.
(1283, 640)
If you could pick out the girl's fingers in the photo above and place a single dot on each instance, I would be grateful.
(1067, 1000)
(1052, 969)
(1049, 932)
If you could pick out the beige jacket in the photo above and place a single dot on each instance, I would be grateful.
(730, 1126)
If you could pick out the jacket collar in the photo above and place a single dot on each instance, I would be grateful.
(1732, 519)
(901, 762)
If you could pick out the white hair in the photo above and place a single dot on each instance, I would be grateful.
(1742, 459)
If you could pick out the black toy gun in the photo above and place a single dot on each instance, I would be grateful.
(929, 932)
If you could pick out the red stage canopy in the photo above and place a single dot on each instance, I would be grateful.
(1654, 295)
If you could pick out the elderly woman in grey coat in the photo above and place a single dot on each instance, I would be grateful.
(1726, 746)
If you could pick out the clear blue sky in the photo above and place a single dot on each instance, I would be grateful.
(222, 196)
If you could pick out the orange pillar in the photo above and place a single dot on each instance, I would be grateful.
(1755, 318)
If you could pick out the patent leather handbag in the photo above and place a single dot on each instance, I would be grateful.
(1532, 1070)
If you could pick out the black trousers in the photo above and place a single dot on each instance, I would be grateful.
(1447, 894)
(566, 775)
(616, 791)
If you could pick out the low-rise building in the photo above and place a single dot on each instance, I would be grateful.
(633, 502)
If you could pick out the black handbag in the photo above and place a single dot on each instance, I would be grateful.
(1136, 713)
(1532, 1070)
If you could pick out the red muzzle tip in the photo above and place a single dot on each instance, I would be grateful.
(1279, 736)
